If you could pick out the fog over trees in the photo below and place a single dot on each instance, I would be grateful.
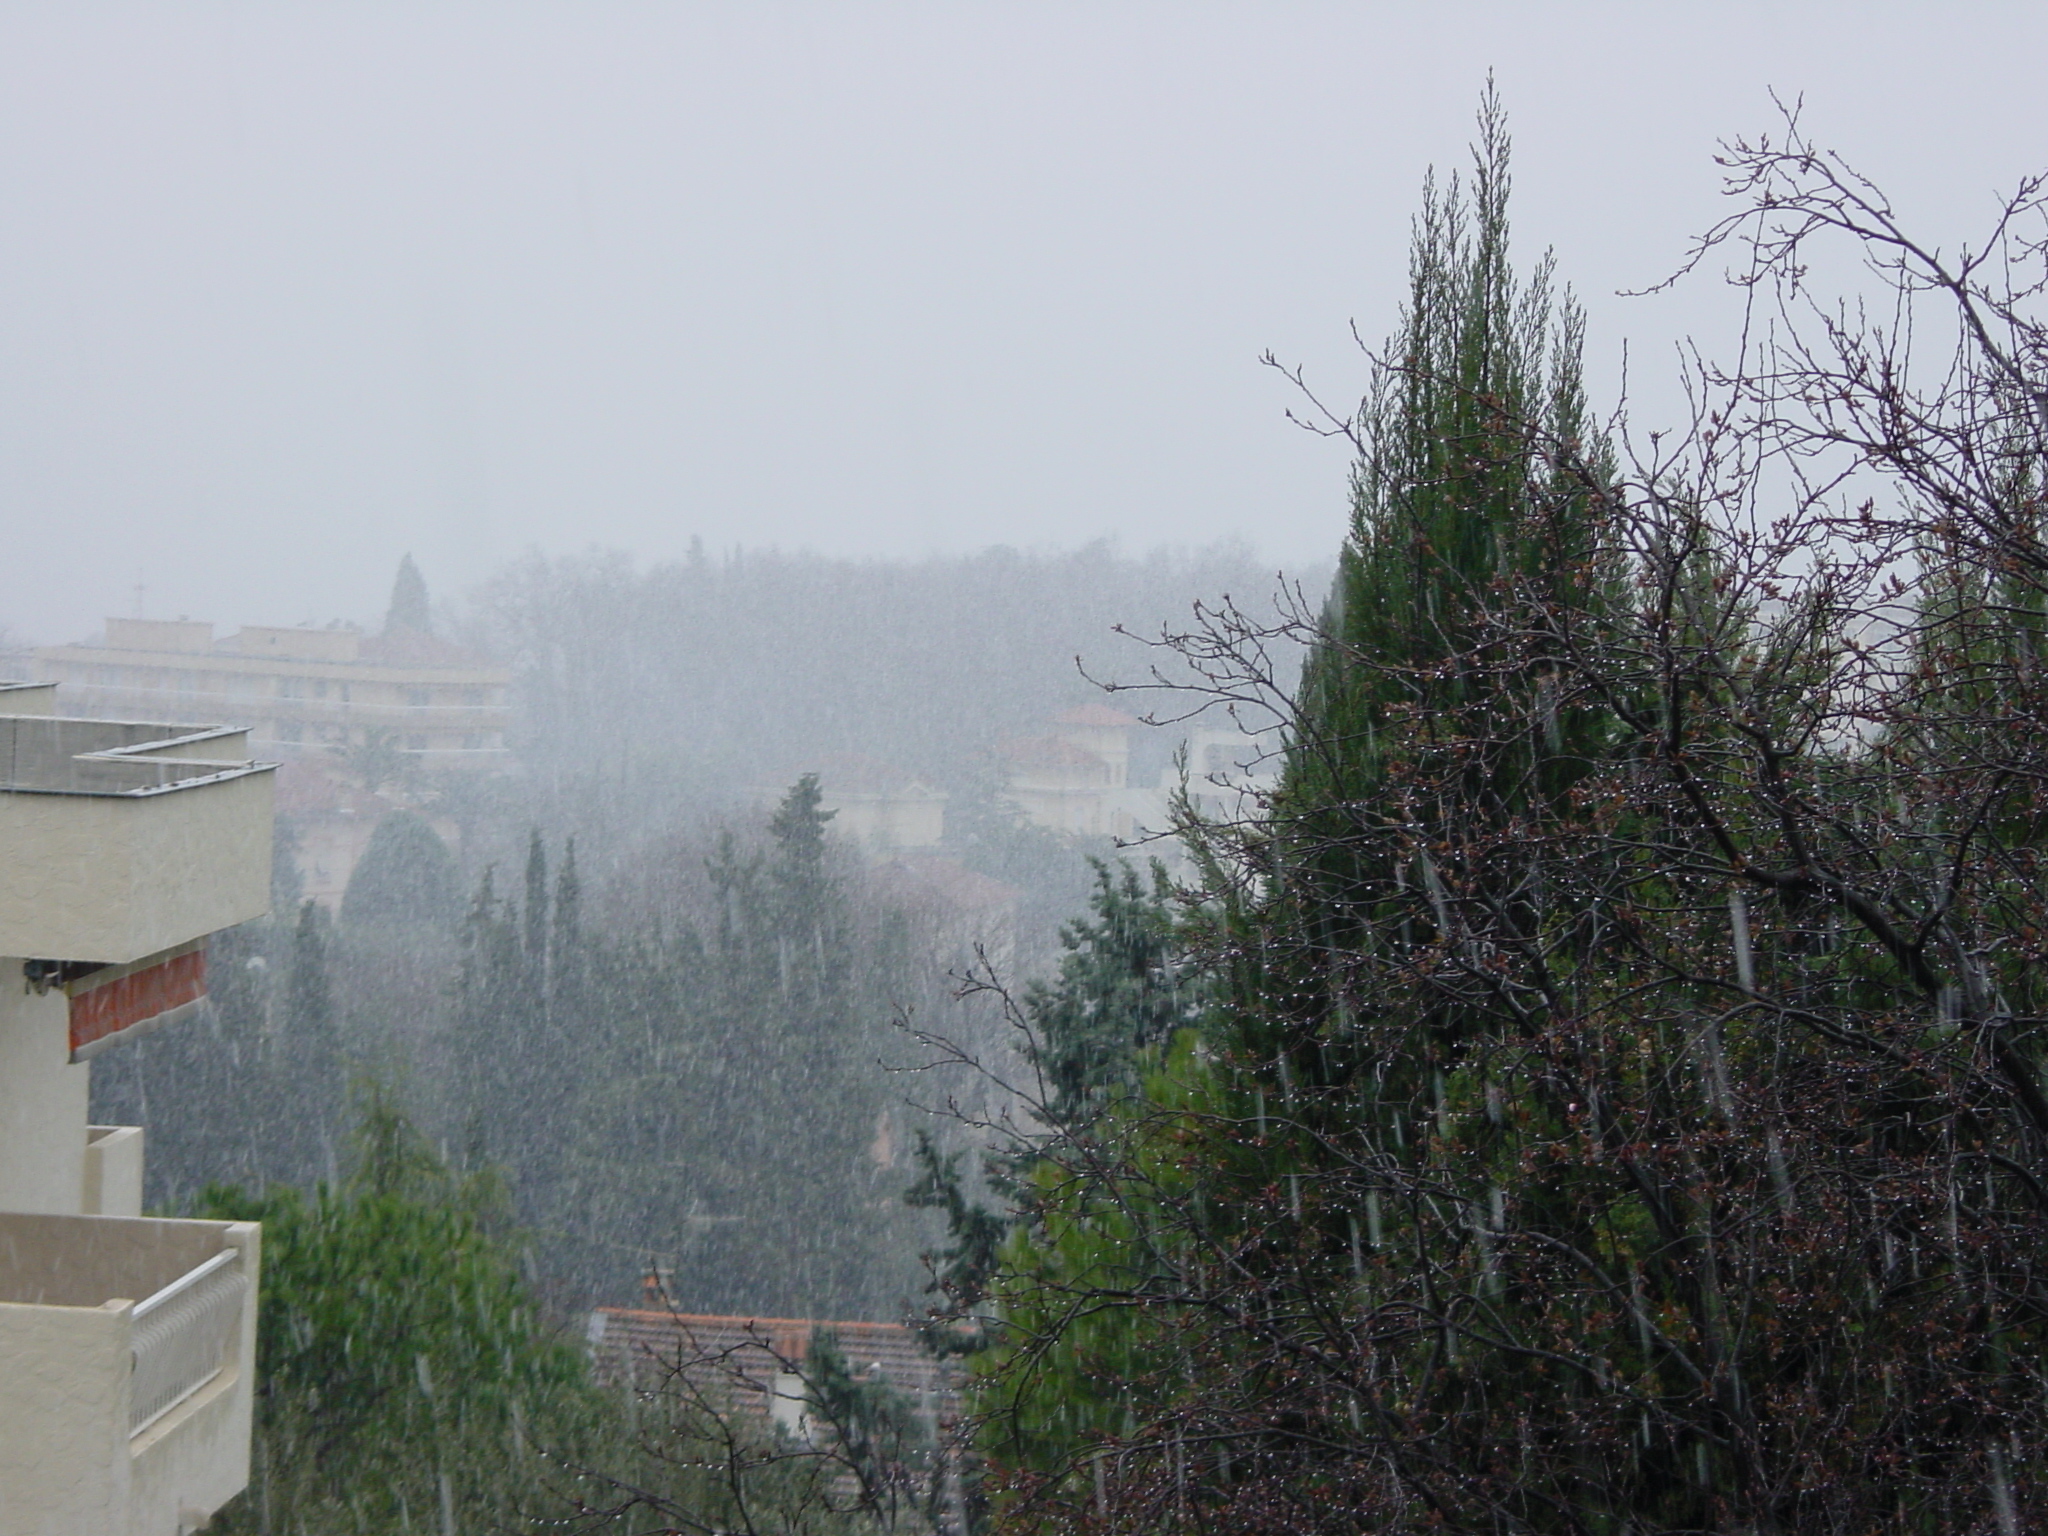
(654, 970)
(721, 672)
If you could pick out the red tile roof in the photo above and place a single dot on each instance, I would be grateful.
(734, 1361)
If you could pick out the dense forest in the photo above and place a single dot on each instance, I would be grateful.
(651, 984)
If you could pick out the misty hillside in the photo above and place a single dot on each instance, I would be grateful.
(706, 679)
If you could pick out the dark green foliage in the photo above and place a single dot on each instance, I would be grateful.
(792, 1009)
(567, 971)
(1622, 1107)
(500, 1037)
(1124, 987)
(309, 996)
(405, 1377)
(406, 878)
(315, 1060)
(537, 907)
(253, 1089)
(962, 1269)
(798, 827)
(1475, 480)
(888, 1445)
(408, 610)
(704, 1097)
(1245, 1187)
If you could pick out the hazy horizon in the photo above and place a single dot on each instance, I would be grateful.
(293, 290)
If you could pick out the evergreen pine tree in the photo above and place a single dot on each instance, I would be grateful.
(408, 610)
(1124, 986)
(1290, 1173)
(565, 950)
(309, 1057)
(537, 910)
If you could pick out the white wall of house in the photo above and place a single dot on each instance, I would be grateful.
(111, 878)
(63, 1419)
(72, 1459)
(42, 1101)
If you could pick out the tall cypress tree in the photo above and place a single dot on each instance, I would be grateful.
(1267, 1265)
(311, 1060)
(1475, 480)
(1432, 746)
(408, 610)
(565, 947)
(493, 996)
(1429, 775)
(537, 906)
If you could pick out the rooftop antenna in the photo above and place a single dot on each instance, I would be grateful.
(140, 589)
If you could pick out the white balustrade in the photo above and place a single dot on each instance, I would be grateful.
(185, 1335)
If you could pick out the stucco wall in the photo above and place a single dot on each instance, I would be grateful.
(68, 1462)
(28, 698)
(64, 1420)
(113, 1171)
(112, 878)
(196, 1458)
(42, 1101)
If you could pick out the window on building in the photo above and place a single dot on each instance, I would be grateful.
(416, 743)
(416, 697)
(291, 731)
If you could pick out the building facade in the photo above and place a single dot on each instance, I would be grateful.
(428, 702)
(127, 1344)
(1075, 778)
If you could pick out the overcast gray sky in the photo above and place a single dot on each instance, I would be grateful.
(288, 290)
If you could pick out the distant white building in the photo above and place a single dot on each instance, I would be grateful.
(300, 691)
(127, 1344)
(1075, 779)
(1231, 773)
(878, 805)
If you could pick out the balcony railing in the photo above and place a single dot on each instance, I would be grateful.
(184, 1336)
(131, 1418)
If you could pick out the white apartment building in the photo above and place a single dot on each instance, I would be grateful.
(300, 691)
(127, 1344)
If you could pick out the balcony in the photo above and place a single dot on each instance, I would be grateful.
(130, 1346)
(122, 839)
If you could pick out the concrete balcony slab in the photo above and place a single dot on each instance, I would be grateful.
(124, 839)
(130, 1346)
